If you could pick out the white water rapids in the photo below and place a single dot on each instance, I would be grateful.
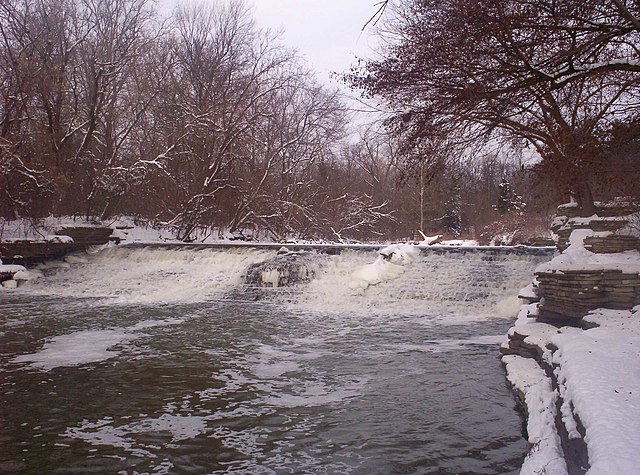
(476, 285)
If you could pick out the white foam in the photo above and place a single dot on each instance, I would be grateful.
(447, 289)
(448, 345)
(153, 275)
(88, 346)
(103, 432)
(314, 394)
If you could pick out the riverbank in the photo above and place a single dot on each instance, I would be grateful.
(573, 355)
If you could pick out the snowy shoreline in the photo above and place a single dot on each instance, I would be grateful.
(578, 377)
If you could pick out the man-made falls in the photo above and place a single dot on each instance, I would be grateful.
(204, 360)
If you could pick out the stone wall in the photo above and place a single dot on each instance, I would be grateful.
(596, 224)
(609, 217)
(571, 294)
(612, 244)
(30, 252)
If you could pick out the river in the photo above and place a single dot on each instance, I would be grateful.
(166, 361)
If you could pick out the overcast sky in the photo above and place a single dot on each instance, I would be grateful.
(327, 32)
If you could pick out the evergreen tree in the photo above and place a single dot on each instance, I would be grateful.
(508, 200)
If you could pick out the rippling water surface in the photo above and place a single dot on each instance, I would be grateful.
(226, 385)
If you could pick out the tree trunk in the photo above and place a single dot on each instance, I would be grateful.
(584, 197)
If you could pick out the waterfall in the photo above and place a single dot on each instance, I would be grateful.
(470, 283)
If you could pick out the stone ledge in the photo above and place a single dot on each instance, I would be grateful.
(31, 252)
(612, 244)
(596, 224)
(572, 294)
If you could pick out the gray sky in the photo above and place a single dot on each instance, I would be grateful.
(328, 33)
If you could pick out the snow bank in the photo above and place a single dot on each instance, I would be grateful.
(10, 268)
(599, 374)
(460, 243)
(42, 230)
(129, 229)
(60, 238)
(546, 455)
(597, 371)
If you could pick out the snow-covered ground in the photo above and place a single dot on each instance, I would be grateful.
(132, 230)
(597, 372)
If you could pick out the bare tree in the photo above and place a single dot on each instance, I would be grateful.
(558, 75)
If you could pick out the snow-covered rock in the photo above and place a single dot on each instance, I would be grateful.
(10, 268)
(599, 373)
(10, 284)
(429, 240)
(27, 275)
(59, 238)
(536, 392)
(389, 264)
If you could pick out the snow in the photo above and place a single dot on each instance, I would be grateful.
(577, 258)
(129, 229)
(61, 238)
(460, 243)
(11, 269)
(558, 221)
(389, 264)
(429, 240)
(535, 333)
(529, 292)
(43, 230)
(400, 253)
(17, 273)
(632, 228)
(370, 274)
(27, 275)
(599, 370)
(546, 456)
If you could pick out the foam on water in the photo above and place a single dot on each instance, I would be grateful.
(472, 286)
(451, 288)
(140, 275)
(87, 346)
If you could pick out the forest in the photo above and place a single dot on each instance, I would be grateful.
(202, 121)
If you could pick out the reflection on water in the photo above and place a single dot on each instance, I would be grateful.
(248, 387)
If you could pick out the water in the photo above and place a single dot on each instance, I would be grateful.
(119, 366)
